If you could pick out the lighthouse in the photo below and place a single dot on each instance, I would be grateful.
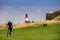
(26, 18)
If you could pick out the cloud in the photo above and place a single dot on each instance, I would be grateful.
(9, 12)
(38, 10)
(17, 14)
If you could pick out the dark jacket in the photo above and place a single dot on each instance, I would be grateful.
(9, 24)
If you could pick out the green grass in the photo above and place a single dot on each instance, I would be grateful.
(51, 32)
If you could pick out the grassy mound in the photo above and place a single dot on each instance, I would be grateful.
(50, 32)
(57, 18)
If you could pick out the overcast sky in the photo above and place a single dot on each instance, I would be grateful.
(15, 10)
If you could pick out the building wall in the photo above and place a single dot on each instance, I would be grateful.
(51, 16)
(48, 16)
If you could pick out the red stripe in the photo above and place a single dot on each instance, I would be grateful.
(26, 16)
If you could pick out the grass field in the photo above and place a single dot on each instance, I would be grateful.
(50, 32)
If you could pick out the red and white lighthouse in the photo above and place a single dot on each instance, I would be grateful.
(26, 18)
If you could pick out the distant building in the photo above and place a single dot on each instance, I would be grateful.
(32, 21)
(48, 16)
(26, 18)
(51, 16)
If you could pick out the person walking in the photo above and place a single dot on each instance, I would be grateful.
(10, 27)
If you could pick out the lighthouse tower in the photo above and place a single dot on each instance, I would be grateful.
(26, 18)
